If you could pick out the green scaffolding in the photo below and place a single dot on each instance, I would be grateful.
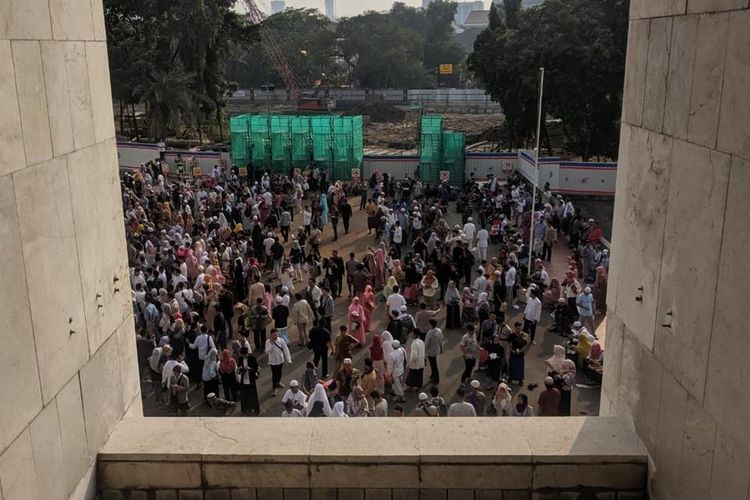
(441, 152)
(331, 143)
(431, 155)
(454, 156)
(240, 132)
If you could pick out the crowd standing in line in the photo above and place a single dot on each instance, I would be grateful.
(229, 278)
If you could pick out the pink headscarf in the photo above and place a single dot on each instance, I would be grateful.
(597, 351)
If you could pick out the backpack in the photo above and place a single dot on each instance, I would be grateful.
(408, 324)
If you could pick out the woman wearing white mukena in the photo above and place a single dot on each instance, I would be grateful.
(396, 367)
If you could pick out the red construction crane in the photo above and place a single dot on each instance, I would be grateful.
(278, 60)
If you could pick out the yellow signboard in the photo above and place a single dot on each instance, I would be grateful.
(446, 69)
(243, 171)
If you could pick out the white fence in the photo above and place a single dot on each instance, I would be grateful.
(434, 97)
(581, 178)
(131, 155)
(576, 178)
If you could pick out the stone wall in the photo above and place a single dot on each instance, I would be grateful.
(66, 343)
(677, 339)
(374, 458)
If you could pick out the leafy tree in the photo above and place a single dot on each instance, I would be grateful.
(307, 39)
(168, 97)
(172, 53)
(512, 10)
(581, 45)
(496, 22)
(440, 48)
(381, 53)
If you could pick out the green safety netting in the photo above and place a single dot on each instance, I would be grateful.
(441, 152)
(240, 132)
(454, 154)
(331, 143)
(301, 141)
(281, 143)
(431, 154)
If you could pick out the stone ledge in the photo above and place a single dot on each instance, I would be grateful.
(493, 453)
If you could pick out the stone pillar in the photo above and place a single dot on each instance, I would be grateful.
(677, 326)
(67, 351)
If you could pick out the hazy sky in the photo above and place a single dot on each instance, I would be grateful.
(343, 7)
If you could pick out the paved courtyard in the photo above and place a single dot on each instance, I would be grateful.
(585, 400)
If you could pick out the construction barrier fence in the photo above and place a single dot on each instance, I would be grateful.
(278, 142)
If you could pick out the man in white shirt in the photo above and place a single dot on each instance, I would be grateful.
(469, 230)
(532, 314)
(483, 241)
(398, 237)
(203, 344)
(307, 219)
(394, 301)
(294, 395)
(278, 352)
(433, 348)
(267, 244)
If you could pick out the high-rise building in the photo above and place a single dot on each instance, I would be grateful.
(278, 6)
(465, 8)
(331, 9)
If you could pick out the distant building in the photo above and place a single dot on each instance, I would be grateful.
(477, 19)
(426, 3)
(464, 9)
(278, 6)
(331, 9)
(524, 3)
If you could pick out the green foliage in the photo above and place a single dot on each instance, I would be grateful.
(581, 44)
(307, 39)
(381, 53)
(170, 55)
(399, 48)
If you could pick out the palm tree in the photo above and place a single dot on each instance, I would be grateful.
(168, 96)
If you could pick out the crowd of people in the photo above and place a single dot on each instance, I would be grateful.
(229, 278)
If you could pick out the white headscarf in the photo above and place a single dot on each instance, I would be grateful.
(558, 356)
(417, 354)
(387, 344)
(223, 224)
(338, 410)
(318, 394)
(503, 399)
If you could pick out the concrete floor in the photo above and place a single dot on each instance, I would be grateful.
(585, 401)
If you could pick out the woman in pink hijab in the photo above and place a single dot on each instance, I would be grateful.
(368, 304)
(356, 320)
